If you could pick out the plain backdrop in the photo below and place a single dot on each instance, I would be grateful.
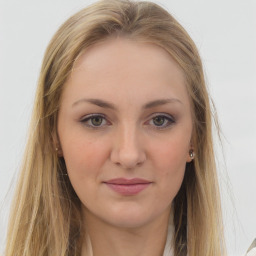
(225, 33)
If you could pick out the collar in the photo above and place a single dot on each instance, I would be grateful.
(169, 250)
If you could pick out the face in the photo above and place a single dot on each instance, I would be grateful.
(125, 128)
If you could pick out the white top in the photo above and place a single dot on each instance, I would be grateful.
(168, 250)
(252, 249)
(252, 252)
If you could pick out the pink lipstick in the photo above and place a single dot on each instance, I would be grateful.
(128, 187)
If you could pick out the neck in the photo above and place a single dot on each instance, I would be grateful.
(108, 240)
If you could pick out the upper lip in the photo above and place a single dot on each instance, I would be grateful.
(124, 181)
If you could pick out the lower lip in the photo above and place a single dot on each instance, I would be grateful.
(128, 189)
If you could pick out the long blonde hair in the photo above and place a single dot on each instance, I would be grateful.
(46, 212)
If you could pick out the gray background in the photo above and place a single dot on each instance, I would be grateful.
(225, 33)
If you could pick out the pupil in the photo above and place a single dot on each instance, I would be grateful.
(158, 120)
(96, 121)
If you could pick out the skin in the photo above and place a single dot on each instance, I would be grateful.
(133, 138)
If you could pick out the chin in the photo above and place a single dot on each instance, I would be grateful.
(130, 222)
(129, 218)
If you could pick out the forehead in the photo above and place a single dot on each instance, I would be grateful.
(126, 68)
(119, 52)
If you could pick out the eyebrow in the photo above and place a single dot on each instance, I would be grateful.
(160, 102)
(97, 102)
(105, 104)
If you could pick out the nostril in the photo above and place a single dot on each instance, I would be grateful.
(128, 160)
(128, 151)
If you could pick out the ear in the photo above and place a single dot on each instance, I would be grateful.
(56, 144)
(190, 154)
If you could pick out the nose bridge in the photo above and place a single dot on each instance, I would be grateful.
(128, 136)
(127, 149)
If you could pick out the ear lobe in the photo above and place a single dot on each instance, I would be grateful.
(59, 151)
(56, 145)
(189, 159)
(191, 155)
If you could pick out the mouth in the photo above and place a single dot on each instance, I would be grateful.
(128, 187)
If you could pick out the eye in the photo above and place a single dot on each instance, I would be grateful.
(94, 121)
(161, 121)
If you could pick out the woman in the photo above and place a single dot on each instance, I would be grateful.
(120, 157)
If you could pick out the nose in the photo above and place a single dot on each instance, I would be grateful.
(128, 149)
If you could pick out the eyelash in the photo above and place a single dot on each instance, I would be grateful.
(168, 121)
(85, 121)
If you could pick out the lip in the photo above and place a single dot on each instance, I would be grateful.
(128, 187)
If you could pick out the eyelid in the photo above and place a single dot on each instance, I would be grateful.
(170, 118)
(86, 118)
(164, 115)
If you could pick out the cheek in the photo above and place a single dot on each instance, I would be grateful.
(171, 167)
(83, 155)
(84, 158)
(171, 154)
(169, 164)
